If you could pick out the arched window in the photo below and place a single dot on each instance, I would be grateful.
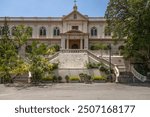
(56, 31)
(94, 31)
(42, 31)
(13, 31)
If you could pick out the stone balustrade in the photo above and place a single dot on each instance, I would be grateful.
(138, 75)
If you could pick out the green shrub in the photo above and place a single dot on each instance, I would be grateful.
(99, 78)
(55, 78)
(74, 78)
(67, 78)
(59, 78)
(92, 65)
(47, 79)
(55, 65)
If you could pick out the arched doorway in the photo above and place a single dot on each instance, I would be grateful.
(75, 46)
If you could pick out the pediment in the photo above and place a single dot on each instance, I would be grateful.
(75, 15)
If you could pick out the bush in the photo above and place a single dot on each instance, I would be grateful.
(57, 47)
(59, 79)
(47, 79)
(55, 65)
(99, 78)
(74, 78)
(67, 78)
(55, 78)
(92, 65)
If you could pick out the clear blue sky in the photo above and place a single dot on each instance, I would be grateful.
(49, 8)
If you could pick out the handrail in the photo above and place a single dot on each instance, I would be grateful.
(115, 68)
(99, 59)
(138, 75)
(53, 56)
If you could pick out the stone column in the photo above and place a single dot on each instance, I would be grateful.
(48, 31)
(81, 43)
(67, 43)
(35, 31)
(62, 43)
(86, 43)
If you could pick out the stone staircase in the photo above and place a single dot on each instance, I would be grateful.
(77, 59)
(71, 59)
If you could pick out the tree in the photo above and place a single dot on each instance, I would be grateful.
(39, 65)
(12, 64)
(129, 19)
(99, 46)
(8, 55)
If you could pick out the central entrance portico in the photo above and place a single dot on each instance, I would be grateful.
(74, 39)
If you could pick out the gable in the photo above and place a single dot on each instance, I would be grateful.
(75, 15)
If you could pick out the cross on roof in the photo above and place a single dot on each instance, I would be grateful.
(75, 1)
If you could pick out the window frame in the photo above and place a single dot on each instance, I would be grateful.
(93, 32)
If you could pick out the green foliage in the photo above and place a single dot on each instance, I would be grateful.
(99, 46)
(47, 79)
(74, 78)
(8, 55)
(93, 65)
(85, 78)
(99, 78)
(39, 65)
(59, 79)
(21, 68)
(53, 49)
(21, 34)
(130, 19)
(67, 78)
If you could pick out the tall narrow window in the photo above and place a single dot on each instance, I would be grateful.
(42, 31)
(94, 31)
(56, 31)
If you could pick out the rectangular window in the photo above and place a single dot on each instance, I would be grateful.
(75, 27)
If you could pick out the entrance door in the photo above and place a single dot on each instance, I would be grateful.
(74, 44)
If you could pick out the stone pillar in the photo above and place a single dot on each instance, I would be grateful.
(86, 43)
(81, 43)
(67, 43)
(48, 30)
(62, 43)
(36, 31)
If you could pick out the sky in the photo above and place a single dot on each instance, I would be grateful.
(51, 8)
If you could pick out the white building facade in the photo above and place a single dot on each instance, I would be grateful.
(72, 31)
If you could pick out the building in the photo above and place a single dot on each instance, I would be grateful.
(72, 31)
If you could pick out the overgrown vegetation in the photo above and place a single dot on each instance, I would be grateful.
(93, 65)
(130, 19)
(14, 62)
(11, 63)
